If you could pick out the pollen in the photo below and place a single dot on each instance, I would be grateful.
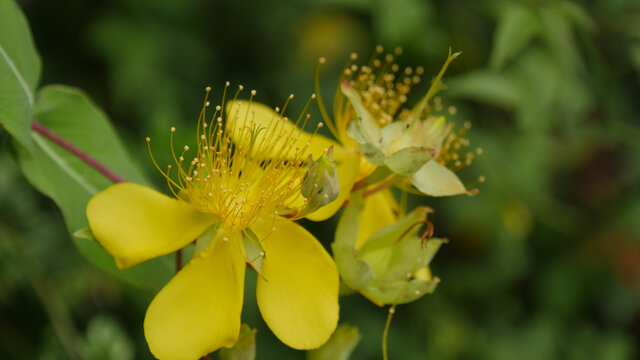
(244, 168)
(453, 153)
(383, 85)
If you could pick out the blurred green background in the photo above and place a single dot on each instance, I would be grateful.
(544, 263)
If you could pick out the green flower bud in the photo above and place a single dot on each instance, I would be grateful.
(320, 183)
(392, 266)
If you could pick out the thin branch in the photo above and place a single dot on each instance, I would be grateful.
(178, 260)
(370, 192)
(385, 334)
(37, 127)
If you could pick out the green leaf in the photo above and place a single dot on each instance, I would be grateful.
(436, 179)
(517, 25)
(378, 250)
(244, 348)
(340, 345)
(488, 86)
(19, 73)
(399, 291)
(71, 183)
(410, 255)
(408, 160)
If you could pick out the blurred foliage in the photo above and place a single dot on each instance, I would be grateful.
(543, 263)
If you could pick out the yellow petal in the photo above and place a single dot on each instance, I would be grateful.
(198, 311)
(379, 211)
(135, 223)
(298, 292)
(347, 166)
(262, 116)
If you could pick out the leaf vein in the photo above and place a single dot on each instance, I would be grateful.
(15, 71)
(63, 164)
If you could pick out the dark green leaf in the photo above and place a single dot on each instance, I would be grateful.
(71, 183)
(19, 72)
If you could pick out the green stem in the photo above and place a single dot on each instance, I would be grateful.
(385, 335)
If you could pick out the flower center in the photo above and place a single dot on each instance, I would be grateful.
(382, 86)
(244, 167)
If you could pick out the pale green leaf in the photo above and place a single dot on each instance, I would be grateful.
(408, 160)
(410, 255)
(71, 183)
(365, 130)
(84, 233)
(19, 72)
(400, 291)
(436, 179)
(354, 272)
(389, 235)
(340, 345)
(379, 248)
(244, 348)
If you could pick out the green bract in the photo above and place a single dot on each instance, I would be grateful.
(320, 183)
(392, 266)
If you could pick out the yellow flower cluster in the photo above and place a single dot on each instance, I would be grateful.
(252, 173)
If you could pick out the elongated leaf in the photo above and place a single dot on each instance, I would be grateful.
(19, 72)
(70, 182)
(488, 86)
(516, 28)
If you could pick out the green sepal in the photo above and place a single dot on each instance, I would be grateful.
(253, 252)
(400, 281)
(436, 179)
(244, 348)
(340, 345)
(409, 160)
(203, 240)
(400, 291)
(84, 233)
(355, 273)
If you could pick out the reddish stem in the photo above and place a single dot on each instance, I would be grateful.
(37, 127)
(360, 184)
(370, 192)
(178, 260)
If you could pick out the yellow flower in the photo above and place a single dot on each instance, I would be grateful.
(237, 196)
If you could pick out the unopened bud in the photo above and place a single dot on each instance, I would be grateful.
(320, 183)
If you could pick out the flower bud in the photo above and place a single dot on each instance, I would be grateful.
(320, 183)
(392, 266)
